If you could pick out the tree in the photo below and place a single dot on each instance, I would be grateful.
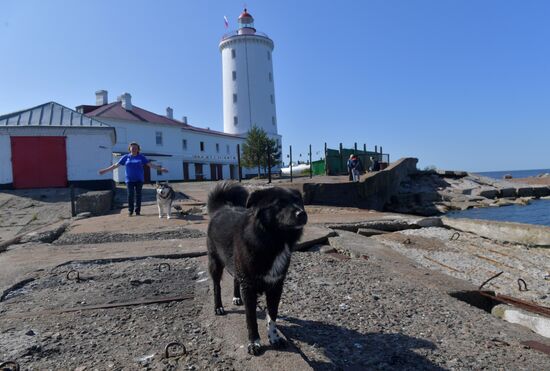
(256, 147)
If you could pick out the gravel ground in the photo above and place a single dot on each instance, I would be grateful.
(126, 338)
(106, 237)
(341, 314)
(355, 314)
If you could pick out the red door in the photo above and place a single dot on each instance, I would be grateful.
(39, 162)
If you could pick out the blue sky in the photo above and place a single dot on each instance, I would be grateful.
(459, 84)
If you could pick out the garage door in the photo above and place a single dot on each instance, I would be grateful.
(39, 162)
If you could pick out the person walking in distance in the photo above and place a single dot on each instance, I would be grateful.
(134, 162)
(356, 168)
(350, 167)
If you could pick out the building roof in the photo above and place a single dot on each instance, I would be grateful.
(116, 111)
(49, 114)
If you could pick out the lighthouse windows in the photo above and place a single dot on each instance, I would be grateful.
(235, 120)
(272, 99)
(270, 76)
(268, 55)
(234, 75)
(273, 121)
(233, 54)
(234, 98)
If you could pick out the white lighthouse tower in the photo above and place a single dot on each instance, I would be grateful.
(248, 88)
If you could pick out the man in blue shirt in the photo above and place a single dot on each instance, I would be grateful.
(134, 162)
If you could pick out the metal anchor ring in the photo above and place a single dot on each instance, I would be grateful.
(407, 241)
(9, 365)
(487, 281)
(524, 288)
(453, 238)
(73, 275)
(164, 265)
(174, 344)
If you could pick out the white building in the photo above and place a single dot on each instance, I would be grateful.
(53, 146)
(190, 153)
(248, 83)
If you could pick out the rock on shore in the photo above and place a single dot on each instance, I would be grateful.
(436, 192)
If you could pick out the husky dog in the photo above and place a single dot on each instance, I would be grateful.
(165, 197)
(252, 236)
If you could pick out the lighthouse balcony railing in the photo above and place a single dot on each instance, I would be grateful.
(236, 33)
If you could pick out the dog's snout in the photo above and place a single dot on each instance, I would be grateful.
(301, 216)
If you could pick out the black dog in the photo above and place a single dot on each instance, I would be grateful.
(252, 237)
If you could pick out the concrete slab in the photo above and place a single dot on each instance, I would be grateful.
(525, 234)
(232, 328)
(313, 235)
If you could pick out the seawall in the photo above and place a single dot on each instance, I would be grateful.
(373, 192)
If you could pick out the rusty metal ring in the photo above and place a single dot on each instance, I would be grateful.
(71, 277)
(453, 236)
(487, 281)
(161, 265)
(524, 288)
(407, 241)
(10, 365)
(171, 345)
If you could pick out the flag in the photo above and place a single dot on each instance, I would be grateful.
(225, 21)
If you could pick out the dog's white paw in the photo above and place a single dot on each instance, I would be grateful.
(219, 311)
(255, 347)
(274, 339)
(168, 217)
(160, 216)
(237, 301)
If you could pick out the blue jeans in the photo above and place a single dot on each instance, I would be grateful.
(134, 190)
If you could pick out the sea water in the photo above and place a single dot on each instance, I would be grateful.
(537, 212)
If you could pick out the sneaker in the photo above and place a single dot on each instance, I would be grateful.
(130, 213)
(138, 213)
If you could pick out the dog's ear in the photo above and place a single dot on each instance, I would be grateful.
(256, 197)
(296, 192)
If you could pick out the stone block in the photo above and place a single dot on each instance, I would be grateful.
(95, 202)
(525, 192)
(508, 192)
(487, 192)
(542, 191)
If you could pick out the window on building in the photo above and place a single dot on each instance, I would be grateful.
(233, 53)
(159, 172)
(234, 98)
(273, 121)
(158, 138)
(235, 120)
(270, 76)
(268, 55)
(202, 146)
(234, 75)
(184, 144)
(217, 147)
(272, 99)
(227, 148)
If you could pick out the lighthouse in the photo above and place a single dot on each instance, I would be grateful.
(248, 81)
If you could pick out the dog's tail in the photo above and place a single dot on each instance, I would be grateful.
(226, 193)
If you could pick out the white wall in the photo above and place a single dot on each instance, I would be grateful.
(172, 145)
(86, 154)
(6, 173)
